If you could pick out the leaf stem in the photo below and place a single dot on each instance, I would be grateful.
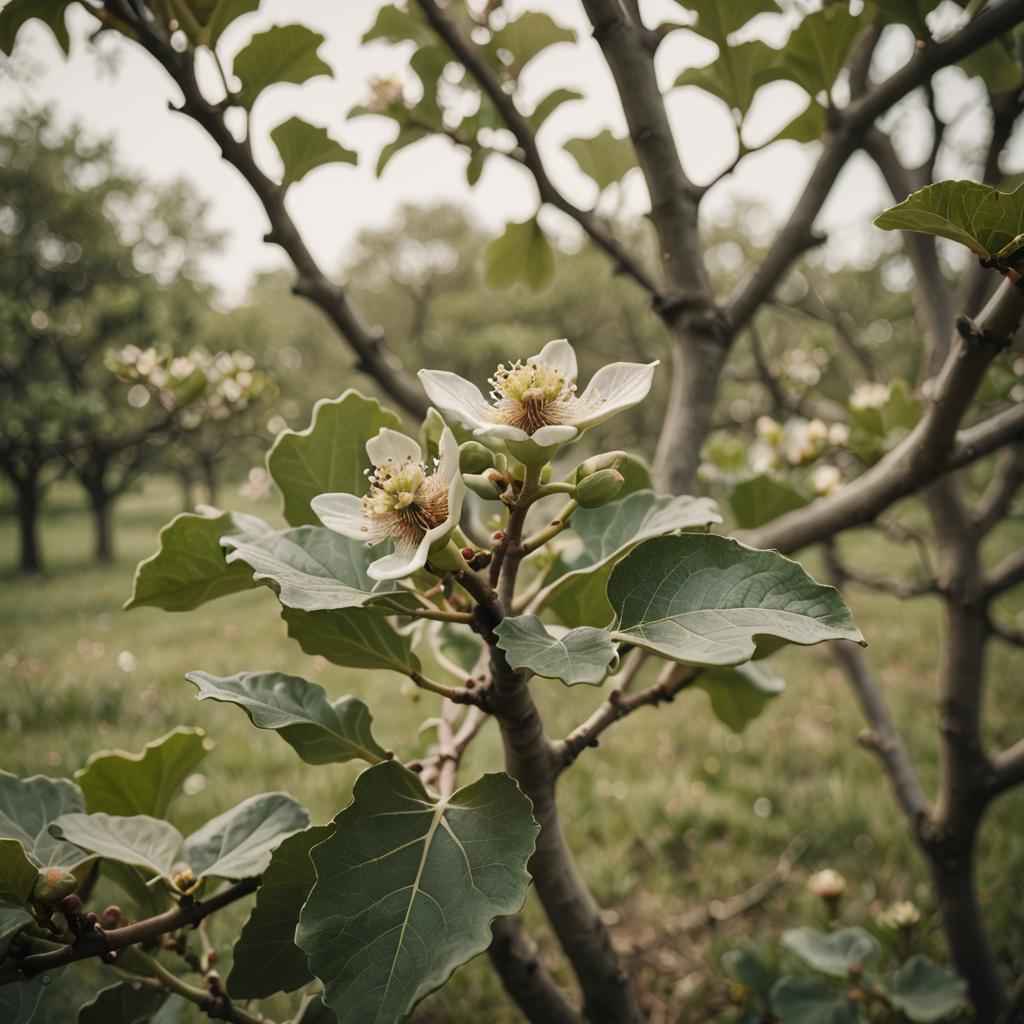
(553, 529)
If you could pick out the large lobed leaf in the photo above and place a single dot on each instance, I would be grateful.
(926, 992)
(603, 157)
(303, 147)
(189, 568)
(736, 74)
(831, 953)
(716, 20)
(708, 600)
(353, 638)
(321, 731)
(118, 782)
(27, 809)
(312, 568)
(266, 958)
(739, 693)
(577, 596)
(329, 455)
(981, 217)
(522, 255)
(51, 12)
(581, 655)
(407, 887)
(527, 36)
(800, 1000)
(285, 53)
(131, 1003)
(818, 47)
(235, 844)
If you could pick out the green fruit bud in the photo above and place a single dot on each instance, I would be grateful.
(488, 486)
(474, 457)
(52, 885)
(607, 460)
(599, 488)
(545, 474)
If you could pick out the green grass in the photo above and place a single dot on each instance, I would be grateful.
(662, 815)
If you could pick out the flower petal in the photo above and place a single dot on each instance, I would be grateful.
(403, 561)
(613, 388)
(390, 445)
(456, 397)
(343, 513)
(559, 355)
(557, 433)
(505, 431)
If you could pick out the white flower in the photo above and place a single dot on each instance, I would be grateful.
(536, 401)
(899, 916)
(826, 478)
(827, 884)
(407, 504)
(869, 396)
(838, 434)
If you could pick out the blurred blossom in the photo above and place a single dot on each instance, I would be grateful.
(762, 457)
(899, 916)
(826, 479)
(828, 884)
(126, 661)
(838, 434)
(193, 784)
(769, 429)
(869, 396)
(257, 485)
(276, 424)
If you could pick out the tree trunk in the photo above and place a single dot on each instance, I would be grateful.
(30, 556)
(210, 480)
(102, 505)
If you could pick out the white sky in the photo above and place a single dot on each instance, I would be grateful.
(334, 203)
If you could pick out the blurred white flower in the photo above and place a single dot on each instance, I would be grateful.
(838, 434)
(828, 884)
(869, 396)
(257, 485)
(414, 508)
(768, 428)
(899, 916)
(826, 479)
(126, 661)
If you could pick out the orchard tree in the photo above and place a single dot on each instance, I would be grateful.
(418, 873)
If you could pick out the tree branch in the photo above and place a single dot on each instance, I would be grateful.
(995, 501)
(470, 56)
(372, 356)
(1008, 768)
(932, 448)
(97, 942)
(1004, 575)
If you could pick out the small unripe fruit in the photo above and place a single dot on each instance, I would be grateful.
(474, 457)
(607, 460)
(487, 485)
(52, 885)
(599, 488)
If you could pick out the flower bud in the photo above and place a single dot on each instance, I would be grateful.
(827, 884)
(52, 885)
(599, 488)
(486, 485)
(474, 457)
(607, 460)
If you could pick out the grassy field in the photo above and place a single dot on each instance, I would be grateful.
(671, 812)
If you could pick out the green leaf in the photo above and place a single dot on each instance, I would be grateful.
(190, 567)
(716, 20)
(213, 17)
(763, 498)
(303, 147)
(396, 25)
(603, 157)
(17, 873)
(354, 638)
(550, 103)
(581, 655)
(740, 693)
(124, 1003)
(527, 37)
(817, 48)
(12, 920)
(139, 840)
(321, 731)
(522, 255)
(736, 74)
(925, 992)
(808, 126)
(29, 806)
(797, 1000)
(744, 967)
(313, 568)
(407, 887)
(981, 217)
(329, 455)
(117, 782)
(238, 843)
(285, 53)
(606, 534)
(23, 1001)
(50, 12)
(831, 953)
(407, 136)
(995, 64)
(266, 959)
(707, 600)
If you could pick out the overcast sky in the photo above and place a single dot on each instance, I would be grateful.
(334, 203)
